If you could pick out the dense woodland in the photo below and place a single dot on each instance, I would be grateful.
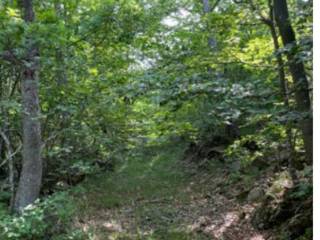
(156, 119)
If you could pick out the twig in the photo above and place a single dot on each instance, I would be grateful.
(10, 164)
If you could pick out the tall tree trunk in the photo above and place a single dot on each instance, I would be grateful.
(297, 71)
(284, 92)
(31, 173)
(284, 89)
(280, 64)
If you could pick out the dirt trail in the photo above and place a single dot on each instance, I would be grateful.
(205, 216)
(189, 208)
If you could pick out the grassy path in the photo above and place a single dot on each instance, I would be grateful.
(150, 197)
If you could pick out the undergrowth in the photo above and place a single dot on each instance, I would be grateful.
(152, 175)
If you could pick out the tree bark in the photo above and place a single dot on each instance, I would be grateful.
(280, 64)
(31, 173)
(297, 71)
(283, 86)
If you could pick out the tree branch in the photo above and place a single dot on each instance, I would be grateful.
(10, 156)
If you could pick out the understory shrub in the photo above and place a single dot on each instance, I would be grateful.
(41, 220)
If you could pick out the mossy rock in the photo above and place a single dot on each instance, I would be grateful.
(293, 216)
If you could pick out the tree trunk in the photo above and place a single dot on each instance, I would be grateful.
(297, 71)
(284, 89)
(285, 95)
(280, 66)
(31, 173)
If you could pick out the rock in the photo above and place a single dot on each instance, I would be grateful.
(256, 194)
(295, 215)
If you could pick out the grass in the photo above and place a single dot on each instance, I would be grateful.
(153, 197)
(141, 178)
(150, 184)
(160, 235)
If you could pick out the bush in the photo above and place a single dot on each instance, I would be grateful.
(41, 220)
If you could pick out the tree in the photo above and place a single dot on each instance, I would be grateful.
(31, 173)
(207, 9)
(298, 73)
(269, 21)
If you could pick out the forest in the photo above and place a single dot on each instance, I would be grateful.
(156, 119)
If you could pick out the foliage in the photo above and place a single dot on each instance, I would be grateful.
(120, 76)
(42, 219)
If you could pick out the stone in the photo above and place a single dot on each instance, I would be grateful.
(256, 194)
